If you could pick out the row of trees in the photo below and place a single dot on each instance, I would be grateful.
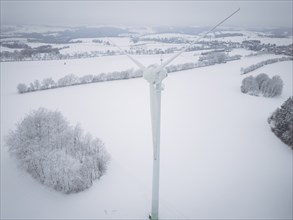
(14, 44)
(29, 53)
(205, 60)
(262, 85)
(281, 122)
(187, 66)
(170, 40)
(56, 154)
(71, 80)
(263, 63)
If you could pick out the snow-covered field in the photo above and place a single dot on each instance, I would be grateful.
(125, 40)
(219, 159)
(252, 35)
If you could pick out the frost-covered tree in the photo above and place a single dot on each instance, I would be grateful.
(125, 74)
(281, 122)
(277, 86)
(215, 57)
(272, 87)
(56, 154)
(37, 85)
(31, 87)
(249, 85)
(100, 78)
(22, 88)
(68, 80)
(48, 83)
(220, 57)
(261, 78)
(262, 84)
(86, 79)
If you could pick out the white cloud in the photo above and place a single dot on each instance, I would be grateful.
(253, 13)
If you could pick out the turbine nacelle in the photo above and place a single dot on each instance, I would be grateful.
(153, 76)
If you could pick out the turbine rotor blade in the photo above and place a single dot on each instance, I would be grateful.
(129, 56)
(164, 64)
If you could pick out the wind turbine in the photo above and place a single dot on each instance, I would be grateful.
(154, 75)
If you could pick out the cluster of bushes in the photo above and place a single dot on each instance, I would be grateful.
(254, 45)
(281, 122)
(263, 63)
(71, 80)
(263, 85)
(56, 154)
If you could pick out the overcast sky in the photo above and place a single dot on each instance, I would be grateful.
(252, 13)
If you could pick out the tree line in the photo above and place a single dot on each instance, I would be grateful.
(71, 80)
(263, 63)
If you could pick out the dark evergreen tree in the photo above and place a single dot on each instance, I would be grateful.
(281, 122)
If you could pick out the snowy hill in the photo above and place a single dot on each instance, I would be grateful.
(219, 158)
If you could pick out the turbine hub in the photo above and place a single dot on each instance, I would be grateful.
(153, 76)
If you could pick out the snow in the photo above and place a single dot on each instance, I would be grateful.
(219, 159)
(88, 46)
(240, 51)
(168, 35)
(277, 41)
(249, 35)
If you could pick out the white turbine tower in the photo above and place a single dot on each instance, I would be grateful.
(154, 75)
